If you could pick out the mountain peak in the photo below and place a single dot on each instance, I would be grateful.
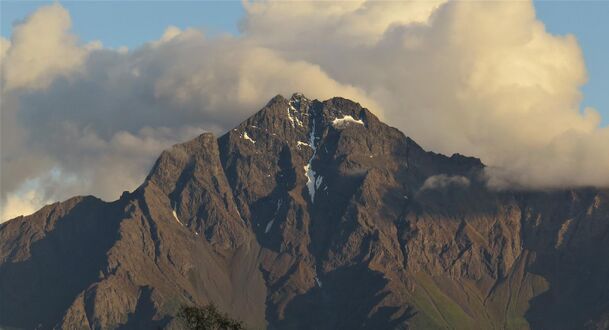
(301, 214)
(298, 96)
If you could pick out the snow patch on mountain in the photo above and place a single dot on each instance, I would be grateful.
(318, 281)
(175, 215)
(247, 137)
(270, 224)
(293, 119)
(309, 172)
(300, 143)
(340, 122)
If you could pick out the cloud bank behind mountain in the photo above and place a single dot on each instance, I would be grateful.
(479, 78)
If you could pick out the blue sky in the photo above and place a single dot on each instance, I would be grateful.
(132, 23)
(587, 20)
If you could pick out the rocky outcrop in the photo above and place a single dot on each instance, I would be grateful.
(312, 215)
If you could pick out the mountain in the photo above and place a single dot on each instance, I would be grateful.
(312, 215)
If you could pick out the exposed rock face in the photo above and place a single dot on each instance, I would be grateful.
(312, 215)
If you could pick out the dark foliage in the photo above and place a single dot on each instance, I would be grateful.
(208, 318)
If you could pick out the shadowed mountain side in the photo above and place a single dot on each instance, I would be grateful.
(50, 262)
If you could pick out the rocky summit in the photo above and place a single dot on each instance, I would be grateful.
(312, 215)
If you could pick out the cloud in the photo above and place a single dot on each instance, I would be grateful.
(23, 203)
(442, 181)
(105, 121)
(479, 78)
(296, 24)
(5, 44)
(41, 49)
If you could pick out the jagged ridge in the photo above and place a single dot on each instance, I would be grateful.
(312, 215)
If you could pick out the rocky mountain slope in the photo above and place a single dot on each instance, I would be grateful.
(312, 215)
